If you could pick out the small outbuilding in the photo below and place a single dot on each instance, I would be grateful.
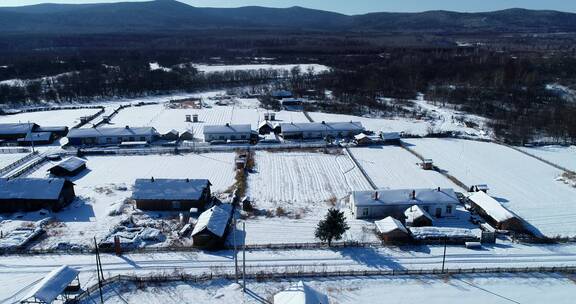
(481, 187)
(210, 230)
(366, 140)
(427, 164)
(187, 135)
(265, 127)
(54, 286)
(31, 194)
(390, 138)
(69, 167)
(495, 213)
(171, 194)
(171, 135)
(417, 217)
(300, 293)
(227, 132)
(391, 230)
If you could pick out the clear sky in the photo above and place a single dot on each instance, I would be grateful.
(360, 6)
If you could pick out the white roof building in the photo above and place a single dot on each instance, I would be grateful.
(390, 224)
(51, 286)
(214, 220)
(300, 293)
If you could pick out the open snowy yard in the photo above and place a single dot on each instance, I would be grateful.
(108, 181)
(392, 167)
(432, 289)
(522, 183)
(67, 118)
(559, 155)
(8, 158)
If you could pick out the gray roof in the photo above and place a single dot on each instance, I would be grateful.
(17, 128)
(71, 164)
(53, 129)
(99, 132)
(169, 189)
(227, 129)
(31, 188)
(36, 136)
(214, 219)
(404, 197)
(53, 284)
(322, 127)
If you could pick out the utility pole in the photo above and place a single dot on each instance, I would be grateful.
(444, 257)
(244, 258)
(31, 138)
(235, 251)
(98, 268)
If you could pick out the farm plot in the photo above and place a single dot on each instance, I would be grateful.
(522, 183)
(103, 187)
(67, 118)
(558, 155)
(392, 167)
(8, 158)
(302, 181)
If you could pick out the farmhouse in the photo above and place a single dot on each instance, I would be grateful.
(300, 293)
(417, 217)
(494, 212)
(109, 136)
(36, 138)
(366, 140)
(13, 131)
(210, 230)
(383, 203)
(30, 194)
(227, 132)
(314, 130)
(391, 230)
(69, 167)
(171, 194)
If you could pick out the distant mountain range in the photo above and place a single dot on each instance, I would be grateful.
(171, 16)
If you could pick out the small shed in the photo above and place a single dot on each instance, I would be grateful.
(417, 217)
(390, 138)
(69, 167)
(30, 194)
(366, 140)
(187, 135)
(171, 135)
(210, 230)
(300, 293)
(391, 230)
(265, 127)
(495, 213)
(53, 286)
(171, 194)
(427, 164)
(481, 187)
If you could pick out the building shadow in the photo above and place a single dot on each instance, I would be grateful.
(370, 257)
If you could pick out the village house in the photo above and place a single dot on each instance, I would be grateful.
(391, 230)
(171, 135)
(31, 194)
(36, 138)
(391, 138)
(382, 203)
(366, 140)
(69, 167)
(211, 227)
(14, 131)
(187, 135)
(30, 133)
(300, 293)
(227, 132)
(111, 136)
(265, 127)
(317, 130)
(171, 194)
(417, 217)
(57, 131)
(494, 212)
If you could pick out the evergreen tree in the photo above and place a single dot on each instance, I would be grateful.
(332, 227)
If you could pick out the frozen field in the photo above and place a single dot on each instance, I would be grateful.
(479, 289)
(559, 155)
(49, 118)
(9, 158)
(523, 184)
(107, 182)
(252, 67)
(392, 167)
(302, 181)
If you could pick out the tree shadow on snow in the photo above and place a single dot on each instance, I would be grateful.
(370, 257)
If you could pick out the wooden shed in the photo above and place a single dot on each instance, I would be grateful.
(171, 194)
(392, 230)
(212, 226)
(187, 135)
(171, 135)
(31, 194)
(418, 217)
(69, 167)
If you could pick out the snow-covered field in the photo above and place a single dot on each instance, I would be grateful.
(107, 182)
(317, 68)
(9, 158)
(559, 155)
(49, 118)
(476, 289)
(521, 183)
(392, 167)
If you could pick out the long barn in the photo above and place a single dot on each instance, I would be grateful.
(171, 194)
(30, 194)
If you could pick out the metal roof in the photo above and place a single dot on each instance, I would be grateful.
(322, 127)
(100, 132)
(214, 219)
(36, 136)
(169, 189)
(71, 164)
(31, 188)
(52, 285)
(17, 128)
(404, 197)
(390, 224)
(227, 129)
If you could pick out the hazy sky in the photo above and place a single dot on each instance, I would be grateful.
(359, 6)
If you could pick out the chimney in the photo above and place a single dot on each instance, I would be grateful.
(438, 189)
(127, 127)
(227, 124)
(323, 122)
(376, 195)
(187, 180)
(413, 194)
(152, 179)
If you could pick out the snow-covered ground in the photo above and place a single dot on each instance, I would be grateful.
(8, 158)
(521, 183)
(107, 182)
(392, 167)
(559, 155)
(476, 289)
(317, 68)
(49, 118)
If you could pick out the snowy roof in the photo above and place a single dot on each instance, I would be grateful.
(390, 135)
(36, 136)
(169, 189)
(98, 132)
(53, 129)
(421, 233)
(227, 129)
(214, 219)
(362, 136)
(390, 224)
(70, 164)
(415, 212)
(322, 127)
(265, 123)
(53, 284)
(404, 197)
(300, 293)
(491, 206)
(173, 132)
(31, 188)
(17, 128)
